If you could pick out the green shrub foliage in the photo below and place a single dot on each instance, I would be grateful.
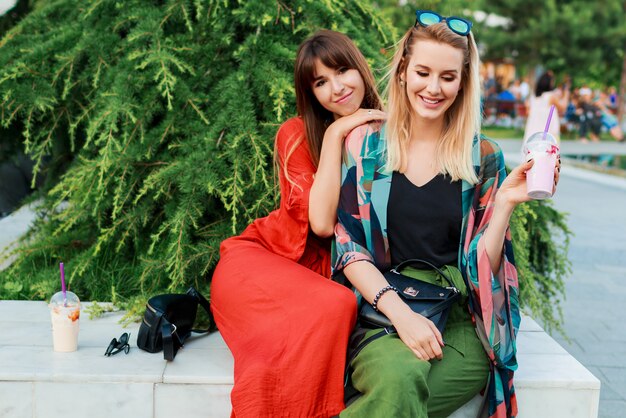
(161, 116)
(168, 110)
(540, 243)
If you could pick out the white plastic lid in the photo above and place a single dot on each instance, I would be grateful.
(540, 142)
(70, 299)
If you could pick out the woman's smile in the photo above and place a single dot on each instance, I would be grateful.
(431, 102)
(344, 98)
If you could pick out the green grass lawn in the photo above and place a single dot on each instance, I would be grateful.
(496, 132)
(502, 133)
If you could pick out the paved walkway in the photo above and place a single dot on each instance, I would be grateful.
(595, 309)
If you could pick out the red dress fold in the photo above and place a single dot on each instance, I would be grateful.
(286, 323)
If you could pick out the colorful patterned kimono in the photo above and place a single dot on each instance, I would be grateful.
(361, 234)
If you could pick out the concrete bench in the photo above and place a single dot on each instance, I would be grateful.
(37, 382)
(12, 227)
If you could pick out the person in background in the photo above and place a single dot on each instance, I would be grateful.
(506, 105)
(572, 118)
(524, 89)
(515, 89)
(546, 95)
(608, 119)
(612, 98)
(590, 116)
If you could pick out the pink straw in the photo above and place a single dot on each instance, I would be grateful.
(545, 130)
(63, 283)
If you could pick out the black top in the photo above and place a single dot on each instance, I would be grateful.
(424, 222)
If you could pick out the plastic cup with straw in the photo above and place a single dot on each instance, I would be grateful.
(65, 314)
(544, 150)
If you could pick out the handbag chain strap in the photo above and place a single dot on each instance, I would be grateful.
(410, 261)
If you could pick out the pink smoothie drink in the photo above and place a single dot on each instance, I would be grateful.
(543, 149)
(65, 315)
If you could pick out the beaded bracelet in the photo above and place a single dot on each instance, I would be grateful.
(380, 293)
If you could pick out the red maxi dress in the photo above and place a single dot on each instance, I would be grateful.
(286, 323)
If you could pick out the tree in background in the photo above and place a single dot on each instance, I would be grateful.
(402, 12)
(8, 149)
(167, 112)
(576, 37)
(158, 120)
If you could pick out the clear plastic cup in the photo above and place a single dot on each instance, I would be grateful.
(543, 148)
(65, 316)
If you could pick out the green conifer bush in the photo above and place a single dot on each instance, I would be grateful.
(160, 117)
(167, 111)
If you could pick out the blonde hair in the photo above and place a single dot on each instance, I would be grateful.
(462, 119)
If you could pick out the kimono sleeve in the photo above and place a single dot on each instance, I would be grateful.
(350, 233)
(495, 298)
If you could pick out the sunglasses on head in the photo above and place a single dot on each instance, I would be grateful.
(457, 25)
(116, 346)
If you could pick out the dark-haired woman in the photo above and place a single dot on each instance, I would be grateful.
(286, 323)
(545, 96)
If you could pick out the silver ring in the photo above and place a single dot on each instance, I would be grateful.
(369, 112)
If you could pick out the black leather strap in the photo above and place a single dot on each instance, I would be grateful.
(361, 346)
(170, 340)
(407, 263)
(207, 307)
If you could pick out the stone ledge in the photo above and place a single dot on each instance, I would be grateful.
(13, 227)
(34, 380)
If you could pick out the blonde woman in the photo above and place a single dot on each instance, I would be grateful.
(426, 185)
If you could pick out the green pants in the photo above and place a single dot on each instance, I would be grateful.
(395, 383)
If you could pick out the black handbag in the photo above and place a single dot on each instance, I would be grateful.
(168, 321)
(429, 300)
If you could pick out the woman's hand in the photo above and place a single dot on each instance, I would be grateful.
(557, 173)
(342, 126)
(513, 190)
(419, 334)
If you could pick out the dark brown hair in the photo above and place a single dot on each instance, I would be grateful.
(334, 50)
(544, 84)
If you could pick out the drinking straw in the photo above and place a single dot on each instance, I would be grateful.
(545, 130)
(63, 283)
